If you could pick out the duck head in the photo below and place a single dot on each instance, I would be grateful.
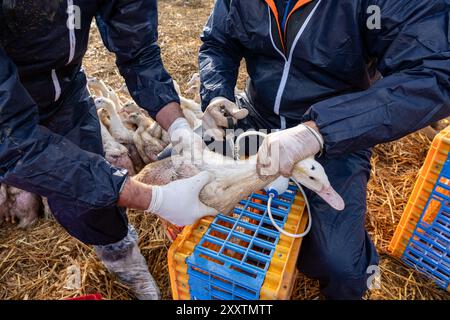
(105, 103)
(193, 84)
(97, 86)
(311, 174)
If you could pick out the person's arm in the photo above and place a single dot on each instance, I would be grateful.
(129, 29)
(413, 52)
(37, 160)
(219, 58)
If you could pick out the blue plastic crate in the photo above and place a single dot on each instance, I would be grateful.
(428, 249)
(231, 260)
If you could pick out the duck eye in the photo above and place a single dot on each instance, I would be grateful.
(313, 168)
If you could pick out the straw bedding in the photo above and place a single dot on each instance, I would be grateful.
(34, 263)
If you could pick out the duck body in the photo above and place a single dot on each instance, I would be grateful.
(147, 138)
(23, 206)
(119, 132)
(100, 89)
(116, 153)
(233, 180)
(116, 129)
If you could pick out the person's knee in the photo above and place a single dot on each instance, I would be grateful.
(349, 275)
(92, 226)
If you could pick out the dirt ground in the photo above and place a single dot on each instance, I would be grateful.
(34, 263)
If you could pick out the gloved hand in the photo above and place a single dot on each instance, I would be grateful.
(280, 151)
(185, 141)
(178, 202)
(214, 120)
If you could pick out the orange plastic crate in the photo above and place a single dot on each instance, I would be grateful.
(181, 248)
(427, 177)
(281, 273)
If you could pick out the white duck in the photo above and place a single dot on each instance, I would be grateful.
(129, 108)
(235, 180)
(194, 87)
(119, 132)
(103, 117)
(192, 110)
(23, 206)
(147, 137)
(117, 129)
(132, 107)
(158, 132)
(100, 89)
(115, 153)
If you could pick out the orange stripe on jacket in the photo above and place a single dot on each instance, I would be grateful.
(273, 7)
(298, 5)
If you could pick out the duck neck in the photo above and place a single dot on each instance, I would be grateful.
(114, 117)
(106, 136)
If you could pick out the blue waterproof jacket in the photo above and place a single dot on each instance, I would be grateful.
(42, 44)
(320, 66)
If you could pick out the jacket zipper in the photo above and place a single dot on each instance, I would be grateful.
(72, 44)
(71, 27)
(287, 62)
(56, 85)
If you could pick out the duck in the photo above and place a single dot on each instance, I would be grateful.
(129, 108)
(99, 89)
(103, 117)
(191, 109)
(154, 128)
(159, 133)
(311, 174)
(147, 137)
(117, 129)
(234, 180)
(119, 132)
(115, 98)
(165, 138)
(115, 153)
(24, 206)
(194, 87)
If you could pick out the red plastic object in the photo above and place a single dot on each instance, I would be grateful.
(96, 296)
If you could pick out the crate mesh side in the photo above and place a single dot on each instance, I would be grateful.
(428, 249)
(231, 260)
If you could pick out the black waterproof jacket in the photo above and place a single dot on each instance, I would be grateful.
(320, 66)
(42, 44)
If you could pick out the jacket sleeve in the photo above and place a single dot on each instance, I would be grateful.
(219, 58)
(37, 160)
(129, 28)
(413, 53)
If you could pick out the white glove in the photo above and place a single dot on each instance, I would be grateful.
(185, 141)
(214, 120)
(280, 151)
(178, 202)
